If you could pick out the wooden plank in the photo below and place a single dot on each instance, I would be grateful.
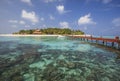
(101, 39)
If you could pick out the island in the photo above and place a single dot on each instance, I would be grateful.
(51, 31)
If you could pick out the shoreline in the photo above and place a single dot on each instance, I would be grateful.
(38, 35)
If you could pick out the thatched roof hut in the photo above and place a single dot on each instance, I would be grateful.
(37, 31)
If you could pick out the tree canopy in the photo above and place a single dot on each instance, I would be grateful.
(64, 31)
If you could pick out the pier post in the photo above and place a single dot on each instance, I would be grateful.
(117, 38)
(96, 41)
(112, 44)
(81, 39)
(118, 45)
(106, 43)
(91, 38)
(103, 42)
(87, 40)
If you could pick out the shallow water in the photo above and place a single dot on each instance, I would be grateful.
(55, 59)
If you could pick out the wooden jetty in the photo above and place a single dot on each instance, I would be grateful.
(113, 41)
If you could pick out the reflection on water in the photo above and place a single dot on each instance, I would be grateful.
(53, 59)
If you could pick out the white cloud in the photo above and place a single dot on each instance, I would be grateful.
(27, 1)
(44, 25)
(42, 19)
(22, 22)
(13, 21)
(27, 26)
(85, 28)
(85, 20)
(31, 16)
(106, 1)
(17, 22)
(14, 26)
(64, 24)
(116, 21)
(60, 9)
(51, 17)
(102, 1)
(47, 1)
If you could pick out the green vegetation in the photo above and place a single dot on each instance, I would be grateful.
(60, 31)
(25, 32)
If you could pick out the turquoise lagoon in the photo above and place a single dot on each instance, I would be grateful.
(54, 58)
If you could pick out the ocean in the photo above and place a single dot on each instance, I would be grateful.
(55, 58)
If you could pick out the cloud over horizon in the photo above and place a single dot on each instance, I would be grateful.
(90, 16)
(27, 2)
(86, 20)
(17, 22)
(106, 1)
(64, 24)
(116, 21)
(60, 9)
(13, 21)
(51, 17)
(30, 16)
(47, 1)
(22, 22)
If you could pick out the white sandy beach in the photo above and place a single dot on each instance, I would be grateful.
(37, 35)
(25, 35)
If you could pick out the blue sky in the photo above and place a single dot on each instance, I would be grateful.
(96, 17)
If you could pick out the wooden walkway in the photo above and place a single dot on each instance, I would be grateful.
(104, 41)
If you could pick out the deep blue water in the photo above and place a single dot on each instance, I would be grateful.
(55, 59)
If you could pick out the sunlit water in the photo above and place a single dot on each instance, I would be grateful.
(55, 59)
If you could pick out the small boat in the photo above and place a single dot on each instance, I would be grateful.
(61, 37)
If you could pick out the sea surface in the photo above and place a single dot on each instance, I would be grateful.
(55, 58)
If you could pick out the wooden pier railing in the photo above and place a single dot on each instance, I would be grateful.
(104, 41)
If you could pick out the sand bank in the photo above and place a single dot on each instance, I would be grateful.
(37, 35)
(25, 35)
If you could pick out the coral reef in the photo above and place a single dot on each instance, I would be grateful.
(50, 61)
